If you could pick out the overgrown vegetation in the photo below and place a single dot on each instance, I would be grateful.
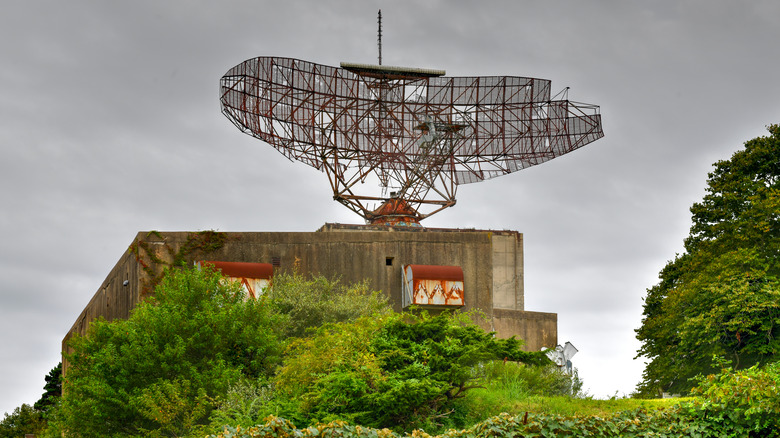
(163, 371)
(307, 303)
(505, 386)
(741, 403)
(399, 370)
(748, 398)
(164, 368)
(156, 256)
(516, 387)
(199, 355)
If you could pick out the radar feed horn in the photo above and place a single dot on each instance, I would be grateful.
(415, 133)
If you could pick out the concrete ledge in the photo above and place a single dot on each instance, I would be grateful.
(538, 329)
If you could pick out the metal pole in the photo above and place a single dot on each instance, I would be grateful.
(379, 36)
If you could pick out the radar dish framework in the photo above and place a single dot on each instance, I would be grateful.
(396, 142)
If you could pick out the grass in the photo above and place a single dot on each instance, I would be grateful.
(516, 389)
(488, 405)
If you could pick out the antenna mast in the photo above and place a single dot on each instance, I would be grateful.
(379, 35)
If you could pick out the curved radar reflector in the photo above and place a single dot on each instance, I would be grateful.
(383, 134)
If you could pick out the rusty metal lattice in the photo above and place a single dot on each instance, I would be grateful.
(415, 133)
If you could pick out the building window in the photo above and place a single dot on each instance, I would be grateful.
(388, 261)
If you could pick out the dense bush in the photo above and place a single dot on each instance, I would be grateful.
(748, 399)
(400, 370)
(309, 302)
(519, 380)
(681, 421)
(162, 369)
(188, 354)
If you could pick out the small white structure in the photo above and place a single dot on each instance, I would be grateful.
(562, 356)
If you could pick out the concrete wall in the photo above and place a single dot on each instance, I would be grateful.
(492, 263)
(114, 298)
(507, 263)
(537, 329)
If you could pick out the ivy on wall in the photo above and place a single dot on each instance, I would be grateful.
(155, 254)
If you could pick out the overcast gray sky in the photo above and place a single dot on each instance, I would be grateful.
(110, 124)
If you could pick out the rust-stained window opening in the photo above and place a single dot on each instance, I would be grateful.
(429, 285)
(253, 277)
(388, 261)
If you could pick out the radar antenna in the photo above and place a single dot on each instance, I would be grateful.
(414, 133)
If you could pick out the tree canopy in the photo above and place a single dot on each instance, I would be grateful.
(721, 297)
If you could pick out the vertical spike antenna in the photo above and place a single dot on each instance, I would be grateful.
(379, 35)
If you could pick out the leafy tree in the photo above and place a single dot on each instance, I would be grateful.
(52, 389)
(399, 370)
(28, 419)
(161, 371)
(23, 420)
(721, 297)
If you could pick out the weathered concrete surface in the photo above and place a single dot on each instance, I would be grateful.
(537, 329)
(492, 263)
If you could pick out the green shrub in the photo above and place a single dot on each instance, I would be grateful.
(303, 304)
(743, 403)
(246, 403)
(517, 387)
(748, 398)
(518, 380)
(163, 369)
(398, 370)
(310, 302)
